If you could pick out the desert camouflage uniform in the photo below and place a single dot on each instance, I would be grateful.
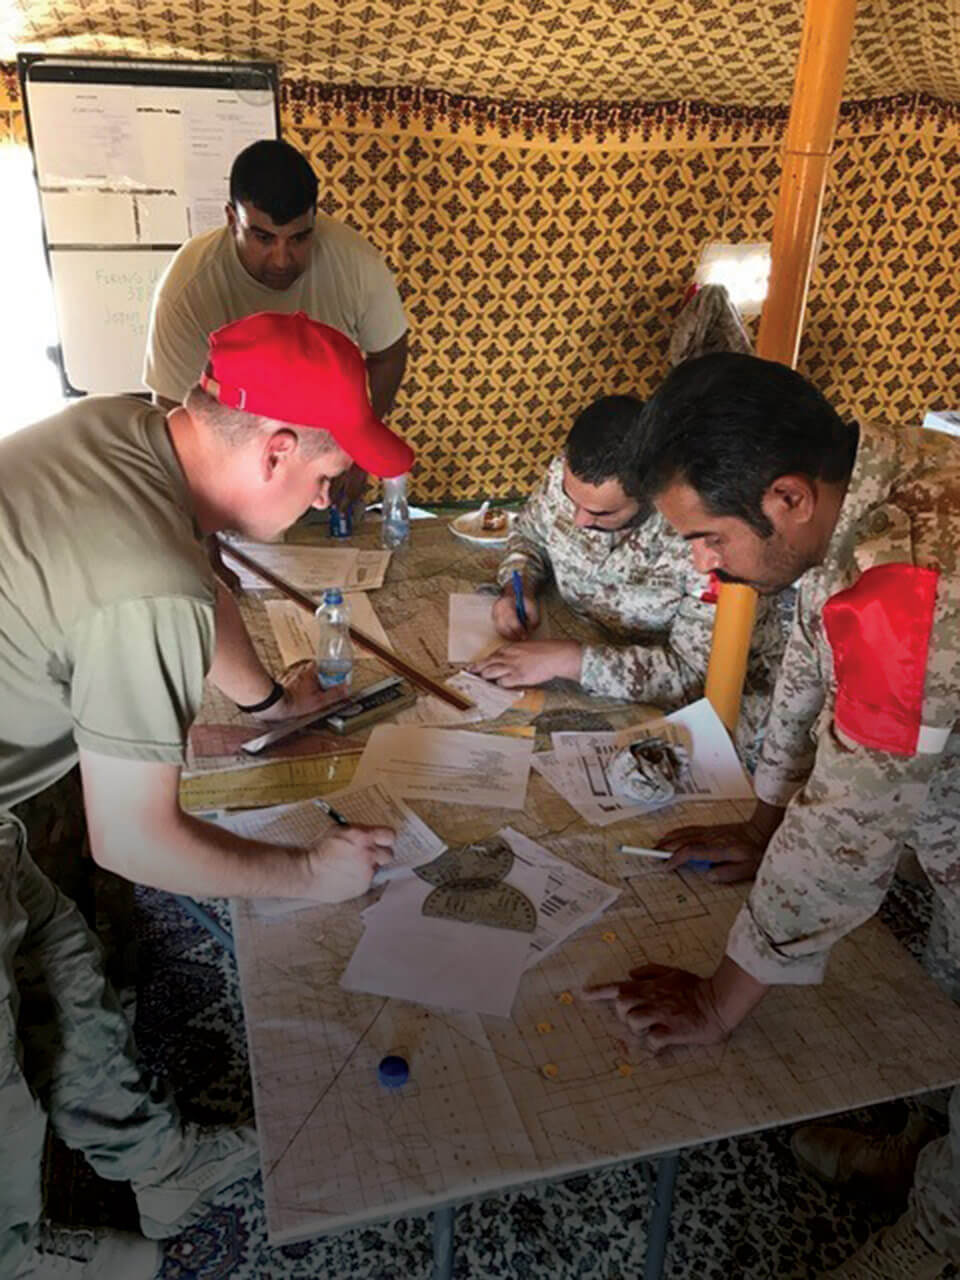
(640, 585)
(852, 805)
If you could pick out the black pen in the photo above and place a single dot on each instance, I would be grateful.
(331, 812)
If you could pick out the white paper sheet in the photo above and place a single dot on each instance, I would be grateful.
(444, 963)
(89, 217)
(312, 569)
(296, 631)
(572, 898)
(582, 760)
(305, 823)
(568, 781)
(450, 765)
(472, 635)
(489, 702)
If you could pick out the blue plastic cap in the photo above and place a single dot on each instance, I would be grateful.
(333, 595)
(393, 1071)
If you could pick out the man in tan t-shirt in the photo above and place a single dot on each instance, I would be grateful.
(276, 253)
(110, 621)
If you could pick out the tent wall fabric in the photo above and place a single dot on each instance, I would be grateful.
(725, 52)
(543, 247)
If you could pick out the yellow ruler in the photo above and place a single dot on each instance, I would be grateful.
(280, 782)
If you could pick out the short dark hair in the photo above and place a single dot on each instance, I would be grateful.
(276, 179)
(597, 437)
(728, 425)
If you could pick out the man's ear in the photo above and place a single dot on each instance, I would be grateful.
(278, 448)
(232, 220)
(790, 500)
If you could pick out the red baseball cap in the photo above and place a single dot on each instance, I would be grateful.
(307, 374)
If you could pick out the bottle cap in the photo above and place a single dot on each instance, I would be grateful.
(333, 595)
(393, 1071)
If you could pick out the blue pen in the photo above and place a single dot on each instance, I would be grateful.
(518, 596)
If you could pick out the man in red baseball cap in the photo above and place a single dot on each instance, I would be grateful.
(111, 620)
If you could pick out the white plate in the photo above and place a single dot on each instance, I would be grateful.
(469, 529)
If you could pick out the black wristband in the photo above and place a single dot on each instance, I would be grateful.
(275, 694)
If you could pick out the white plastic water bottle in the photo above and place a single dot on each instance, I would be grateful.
(334, 646)
(396, 512)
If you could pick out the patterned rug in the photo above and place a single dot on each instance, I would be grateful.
(741, 1207)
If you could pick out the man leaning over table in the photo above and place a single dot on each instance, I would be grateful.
(618, 563)
(110, 621)
(752, 466)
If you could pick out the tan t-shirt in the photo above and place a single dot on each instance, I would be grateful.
(346, 285)
(106, 594)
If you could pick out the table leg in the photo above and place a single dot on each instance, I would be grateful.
(659, 1224)
(443, 1220)
(204, 918)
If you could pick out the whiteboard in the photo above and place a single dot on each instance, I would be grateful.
(131, 159)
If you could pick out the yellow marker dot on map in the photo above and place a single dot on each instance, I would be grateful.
(544, 1027)
(609, 936)
(625, 1069)
(551, 1070)
(565, 997)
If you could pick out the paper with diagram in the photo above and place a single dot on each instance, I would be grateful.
(579, 765)
(454, 935)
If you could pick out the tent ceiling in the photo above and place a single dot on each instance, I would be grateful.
(721, 51)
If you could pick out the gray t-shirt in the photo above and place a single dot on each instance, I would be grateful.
(107, 600)
(346, 284)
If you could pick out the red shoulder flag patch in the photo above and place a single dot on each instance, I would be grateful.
(879, 631)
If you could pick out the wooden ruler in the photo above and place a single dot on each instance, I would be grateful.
(389, 659)
(280, 782)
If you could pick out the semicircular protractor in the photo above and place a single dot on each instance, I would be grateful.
(489, 859)
(496, 904)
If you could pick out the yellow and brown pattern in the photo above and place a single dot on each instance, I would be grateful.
(727, 52)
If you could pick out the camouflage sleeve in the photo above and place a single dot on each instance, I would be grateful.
(526, 547)
(663, 674)
(828, 866)
(788, 751)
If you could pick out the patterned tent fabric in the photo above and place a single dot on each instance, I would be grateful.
(544, 248)
(723, 52)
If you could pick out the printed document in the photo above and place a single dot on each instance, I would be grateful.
(450, 765)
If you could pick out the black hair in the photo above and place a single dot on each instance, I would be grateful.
(597, 437)
(728, 425)
(276, 179)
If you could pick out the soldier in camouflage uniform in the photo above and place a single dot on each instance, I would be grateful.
(621, 566)
(860, 751)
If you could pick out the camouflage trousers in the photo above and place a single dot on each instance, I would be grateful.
(67, 1055)
(935, 1198)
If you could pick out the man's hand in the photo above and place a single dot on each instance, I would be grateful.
(302, 693)
(505, 615)
(736, 850)
(343, 863)
(665, 1006)
(516, 666)
(348, 488)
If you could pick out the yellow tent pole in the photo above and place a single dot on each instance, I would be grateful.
(817, 90)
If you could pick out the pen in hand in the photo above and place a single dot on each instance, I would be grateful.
(333, 813)
(518, 597)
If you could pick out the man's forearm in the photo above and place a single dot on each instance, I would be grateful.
(385, 370)
(734, 993)
(236, 669)
(203, 860)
